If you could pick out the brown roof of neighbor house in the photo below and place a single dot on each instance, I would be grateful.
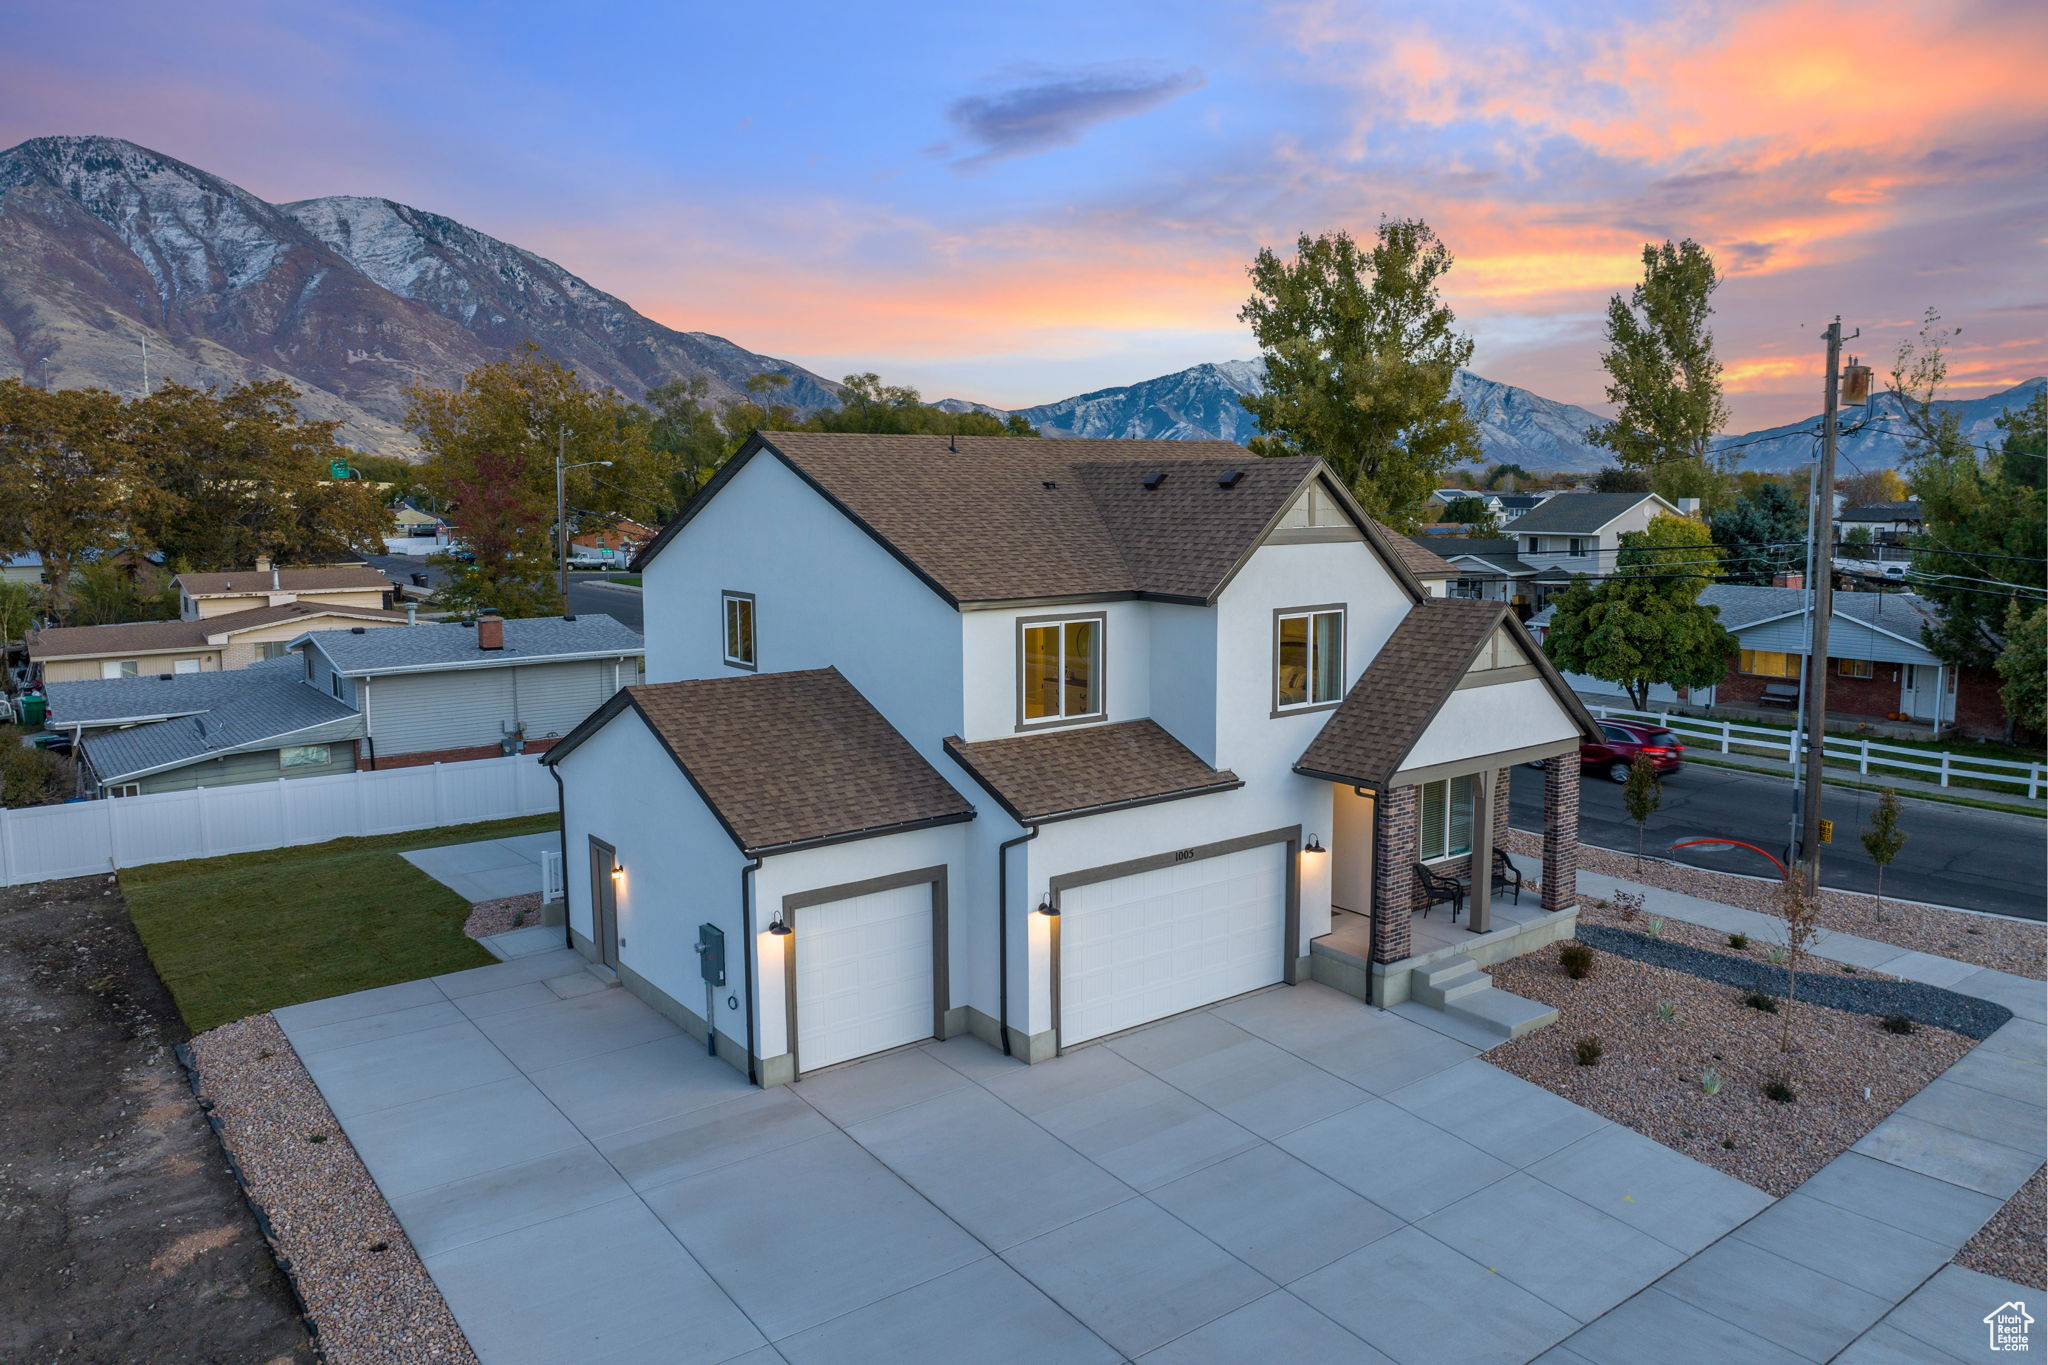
(1422, 561)
(993, 519)
(1084, 768)
(787, 758)
(1400, 692)
(151, 637)
(335, 578)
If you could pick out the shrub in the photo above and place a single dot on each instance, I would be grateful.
(1655, 926)
(1757, 1000)
(1895, 1023)
(1710, 1082)
(1738, 940)
(1779, 1089)
(1576, 958)
(1628, 905)
(1729, 1143)
(1775, 955)
(1665, 1009)
(1587, 1051)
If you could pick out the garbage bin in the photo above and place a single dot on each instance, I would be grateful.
(419, 580)
(33, 709)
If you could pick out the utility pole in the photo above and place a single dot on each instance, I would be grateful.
(1821, 589)
(562, 512)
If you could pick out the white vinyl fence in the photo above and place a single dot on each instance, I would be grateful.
(84, 837)
(1870, 757)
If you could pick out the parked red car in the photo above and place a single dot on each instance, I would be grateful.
(1622, 740)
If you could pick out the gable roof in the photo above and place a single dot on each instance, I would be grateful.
(334, 578)
(1421, 560)
(1583, 513)
(1084, 769)
(1379, 721)
(155, 637)
(1004, 519)
(1881, 511)
(118, 701)
(1498, 555)
(1743, 606)
(786, 759)
(452, 645)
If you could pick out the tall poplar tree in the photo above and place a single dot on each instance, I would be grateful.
(1360, 353)
(1663, 379)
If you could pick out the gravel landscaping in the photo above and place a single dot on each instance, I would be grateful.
(502, 916)
(364, 1286)
(2014, 1244)
(2015, 946)
(1846, 1072)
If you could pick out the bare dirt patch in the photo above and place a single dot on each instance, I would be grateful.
(502, 916)
(2014, 1244)
(123, 1237)
(2009, 945)
(1846, 1071)
(363, 1281)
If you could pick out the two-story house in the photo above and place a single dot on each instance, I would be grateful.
(1041, 740)
(1580, 533)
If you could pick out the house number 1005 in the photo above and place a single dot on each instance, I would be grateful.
(1186, 855)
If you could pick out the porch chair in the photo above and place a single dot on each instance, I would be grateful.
(1439, 888)
(1506, 876)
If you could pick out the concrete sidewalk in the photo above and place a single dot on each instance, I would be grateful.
(490, 869)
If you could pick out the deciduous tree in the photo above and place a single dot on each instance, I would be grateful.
(70, 485)
(2023, 667)
(1645, 624)
(1641, 797)
(1360, 351)
(1883, 839)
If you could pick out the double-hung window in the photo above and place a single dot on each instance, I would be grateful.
(1447, 808)
(1308, 657)
(738, 614)
(1768, 663)
(1061, 668)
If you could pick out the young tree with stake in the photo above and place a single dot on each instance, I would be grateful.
(1641, 797)
(1800, 908)
(1883, 839)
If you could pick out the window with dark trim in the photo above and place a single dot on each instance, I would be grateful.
(1060, 669)
(1308, 658)
(1853, 668)
(1447, 810)
(737, 611)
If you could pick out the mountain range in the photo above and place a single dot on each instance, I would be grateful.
(107, 247)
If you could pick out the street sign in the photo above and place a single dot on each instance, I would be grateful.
(337, 469)
(1827, 830)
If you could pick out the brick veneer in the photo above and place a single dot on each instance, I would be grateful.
(1979, 712)
(533, 746)
(1561, 831)
(1395, 834)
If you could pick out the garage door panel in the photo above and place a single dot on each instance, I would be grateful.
(1171, 939)
(863, 975)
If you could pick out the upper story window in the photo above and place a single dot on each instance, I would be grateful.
(1447, 809)
(1308, 657)
(738, 609)
(1060, 669)
(120, 668)
(1575, 546)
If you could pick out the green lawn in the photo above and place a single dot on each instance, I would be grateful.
(238, 935)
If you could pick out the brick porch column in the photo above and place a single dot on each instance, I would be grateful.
(1500, 807)
(1561, 831)
(1397, 820)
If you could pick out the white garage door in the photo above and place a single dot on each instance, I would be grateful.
(863, 975)
(1143, 947)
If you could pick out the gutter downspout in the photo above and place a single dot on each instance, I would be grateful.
(747, 955)
(562, 831)
(1003, 930)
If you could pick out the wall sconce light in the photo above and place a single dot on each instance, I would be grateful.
(618, 872)
(1314, 845)
(1047, 908)
(778, 928)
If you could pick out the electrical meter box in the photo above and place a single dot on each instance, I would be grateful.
(711, 954)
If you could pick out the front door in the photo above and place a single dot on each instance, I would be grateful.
(1919, 690)
(604, 902)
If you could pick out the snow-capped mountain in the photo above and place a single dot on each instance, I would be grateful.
(1874, 437)
(106, 246)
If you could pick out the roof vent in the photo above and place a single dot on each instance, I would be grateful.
(163, 677)
(1154, 480)
(355, 630)
(1049, 484)
(1231, 479)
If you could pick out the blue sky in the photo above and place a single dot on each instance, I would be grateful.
(1018, 204)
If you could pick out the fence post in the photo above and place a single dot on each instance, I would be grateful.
(1944, 767)
(1863, 763)
(113, 828)
(440, 798)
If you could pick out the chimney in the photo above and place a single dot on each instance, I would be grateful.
(262, 563)
(1789, 579)
(1689, 507)
(490, 632)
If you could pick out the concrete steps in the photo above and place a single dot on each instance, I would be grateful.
(1456, 988)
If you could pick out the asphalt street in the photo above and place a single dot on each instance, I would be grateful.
(589, 594)
(1954, 855)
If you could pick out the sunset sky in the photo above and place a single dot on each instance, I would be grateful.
(1017, 203)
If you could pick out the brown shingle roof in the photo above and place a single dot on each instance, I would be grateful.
(337, 578)
(786, 758)
(1394, 700)
(993, 519)
(1422, 561)
(144, 637)
(1064, 772)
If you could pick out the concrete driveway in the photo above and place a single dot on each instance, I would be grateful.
(1288, 1175)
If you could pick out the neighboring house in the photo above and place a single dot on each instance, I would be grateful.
(451, 691)
(138, 736)
(410, 523)
(1878, 668)
(1580, 533)
(1485, 570)
(1513, 505)
(24, 567)
(198, 645)
(335, 585)
(1432, 570)
(1891, 525)
(616, 544)
(1039, 741)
